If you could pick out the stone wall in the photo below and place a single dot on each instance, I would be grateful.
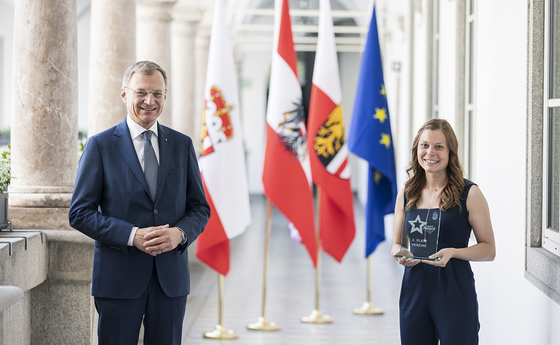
(45, 288)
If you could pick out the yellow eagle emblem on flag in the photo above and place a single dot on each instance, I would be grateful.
(330, 137)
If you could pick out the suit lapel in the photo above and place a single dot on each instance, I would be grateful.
(165, 143)
(124, 145)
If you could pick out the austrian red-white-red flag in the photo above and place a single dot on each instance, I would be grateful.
(328, 150)
(222, 160)
(287, 173)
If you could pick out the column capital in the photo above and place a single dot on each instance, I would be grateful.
(187, 14)
(155, 10)
(185, 21)
(163, 3)
(204, 32)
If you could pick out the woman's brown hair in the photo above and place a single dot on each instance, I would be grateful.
(451, 194)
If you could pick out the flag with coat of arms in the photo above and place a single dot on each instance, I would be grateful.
(370, 138)
(326, 141)
(287, 173)
(222, 160)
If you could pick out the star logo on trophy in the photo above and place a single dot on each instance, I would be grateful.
(417, 225)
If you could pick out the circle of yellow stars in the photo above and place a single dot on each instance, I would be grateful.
(381, 115)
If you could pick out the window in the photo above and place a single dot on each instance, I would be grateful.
(470, 100)
(435, 60)
(542, 257)
(465, 109)
(551, 124)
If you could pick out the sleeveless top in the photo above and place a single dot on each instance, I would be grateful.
(454, 226)
(456, 278)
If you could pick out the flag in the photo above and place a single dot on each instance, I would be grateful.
(286, 172)
(222, 160)
(370, 138)
(328, 150)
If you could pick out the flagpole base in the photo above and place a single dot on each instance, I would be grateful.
(317, 317)
(220, 333)
(368, 309)
(263, 325)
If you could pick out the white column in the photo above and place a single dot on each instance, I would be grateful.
(112, 50)
(183, 33)
(153, 41)
(44, 134)
(202, 46)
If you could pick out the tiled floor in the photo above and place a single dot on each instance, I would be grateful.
(291, 291)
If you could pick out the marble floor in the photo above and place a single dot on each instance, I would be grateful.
(291, 291)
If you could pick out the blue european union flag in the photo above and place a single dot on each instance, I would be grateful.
(370, 138)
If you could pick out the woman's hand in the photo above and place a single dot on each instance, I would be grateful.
(397, 251)
(441, 258)
(401, 257)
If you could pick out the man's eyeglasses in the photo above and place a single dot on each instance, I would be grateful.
(143, 94)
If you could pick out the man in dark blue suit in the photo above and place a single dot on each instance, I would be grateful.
(140, 197)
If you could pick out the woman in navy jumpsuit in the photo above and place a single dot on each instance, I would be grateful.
(438, 303)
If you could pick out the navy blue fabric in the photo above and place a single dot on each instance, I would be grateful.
(440, 304)
(111, 196)
(120, 319)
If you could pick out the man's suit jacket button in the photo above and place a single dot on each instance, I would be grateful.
(155, 211)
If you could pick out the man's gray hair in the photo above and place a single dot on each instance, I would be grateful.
(144, 67)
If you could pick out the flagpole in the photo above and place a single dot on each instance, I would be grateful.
(316, 316)
(367, 308)
(220, 332)
(262, 324)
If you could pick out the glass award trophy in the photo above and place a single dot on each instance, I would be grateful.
(420, 234)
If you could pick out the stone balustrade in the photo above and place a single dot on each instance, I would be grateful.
(45, 283)
(13, 322)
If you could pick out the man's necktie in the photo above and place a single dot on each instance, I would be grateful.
(150, 164)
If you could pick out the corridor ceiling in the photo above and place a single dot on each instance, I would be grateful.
(251, 21)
